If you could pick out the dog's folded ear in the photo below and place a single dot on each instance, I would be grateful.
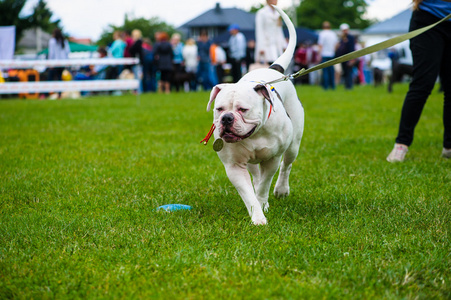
(214, 92)
(264, 91)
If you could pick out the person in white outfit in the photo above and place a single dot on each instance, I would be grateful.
(58, 49)
(190, 57)
(328, 40)
(270, 41)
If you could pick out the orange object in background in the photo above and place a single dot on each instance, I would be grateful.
(25, 75)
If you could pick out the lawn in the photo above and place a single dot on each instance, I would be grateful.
(80, 181)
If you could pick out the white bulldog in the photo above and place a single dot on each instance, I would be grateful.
(261, 125)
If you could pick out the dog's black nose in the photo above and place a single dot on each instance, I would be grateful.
(227, 119)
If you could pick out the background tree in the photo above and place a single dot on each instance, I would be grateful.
(41, 17)
(148, 28)
(10, 16)
(312, 13)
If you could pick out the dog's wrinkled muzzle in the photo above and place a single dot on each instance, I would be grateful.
(227, 131)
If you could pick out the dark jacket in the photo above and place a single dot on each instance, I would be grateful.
(346, 45)
(163, 55)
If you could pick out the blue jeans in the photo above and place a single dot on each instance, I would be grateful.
(328, 75)
(347, 73)
(138, 72)
(205, 75)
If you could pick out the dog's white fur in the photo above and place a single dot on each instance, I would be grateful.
(257, 140)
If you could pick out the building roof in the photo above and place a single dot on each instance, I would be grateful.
(223, 17)
(395, 25)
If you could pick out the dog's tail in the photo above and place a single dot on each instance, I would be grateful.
(284, 60)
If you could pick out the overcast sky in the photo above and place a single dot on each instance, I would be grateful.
(88, 18)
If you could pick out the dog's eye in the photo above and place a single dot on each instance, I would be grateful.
(219, 109)
(243, 110)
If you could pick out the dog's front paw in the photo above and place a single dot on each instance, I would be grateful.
(281, 191)
(259, 221)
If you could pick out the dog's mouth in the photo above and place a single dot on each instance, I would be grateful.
(229, 137)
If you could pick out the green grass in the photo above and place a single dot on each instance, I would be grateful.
(80, 181)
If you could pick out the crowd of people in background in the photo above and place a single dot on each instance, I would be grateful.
(171, 64)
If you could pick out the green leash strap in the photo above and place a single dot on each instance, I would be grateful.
(359, 53)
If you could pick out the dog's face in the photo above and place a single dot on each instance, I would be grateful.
(240, 109)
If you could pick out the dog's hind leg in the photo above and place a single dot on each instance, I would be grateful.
(282, 188)
(267, 171)
(296, 112)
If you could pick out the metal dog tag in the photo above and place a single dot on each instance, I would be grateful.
(218, 145)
